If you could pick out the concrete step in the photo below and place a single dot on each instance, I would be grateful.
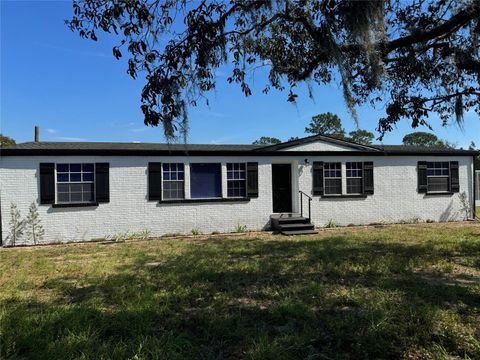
(299, 232)
(296, 226)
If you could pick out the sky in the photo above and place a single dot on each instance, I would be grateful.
(75, 90)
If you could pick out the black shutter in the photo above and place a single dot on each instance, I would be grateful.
(368, 178)
(454, 181)
(102, 183)
(47, 183)
(155, 181)
(252, 179)
(422, 177)
(317, 177)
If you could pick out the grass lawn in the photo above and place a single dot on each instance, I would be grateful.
(407, 291)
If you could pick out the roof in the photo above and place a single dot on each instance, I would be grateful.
(133, 149)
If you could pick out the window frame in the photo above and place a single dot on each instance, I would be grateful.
(442, 176)
(356, 170)
(325, 177)
(81, 182)
(244, 179)
(163, 180)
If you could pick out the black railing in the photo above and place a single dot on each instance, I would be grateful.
(302, 194)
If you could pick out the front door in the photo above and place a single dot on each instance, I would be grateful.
(282, 187)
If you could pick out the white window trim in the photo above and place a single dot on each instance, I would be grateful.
(353, 177)
(184, 180)
(227, 180)
(341, 178)
(75, 182)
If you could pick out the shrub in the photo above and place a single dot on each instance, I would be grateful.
(240, 228)
(196, 231)
(34, 227)
(17, 225)
(331, 224)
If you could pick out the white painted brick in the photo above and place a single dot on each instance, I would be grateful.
(395, 197)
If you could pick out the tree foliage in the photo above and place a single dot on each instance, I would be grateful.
(361, 136)
(420, 138)
(414, 57)
(6, 141)
(326, 124)
(267, 140)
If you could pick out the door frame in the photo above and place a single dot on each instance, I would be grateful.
(294, 181)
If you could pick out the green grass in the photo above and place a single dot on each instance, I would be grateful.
(407, 291)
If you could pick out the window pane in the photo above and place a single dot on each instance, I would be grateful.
(87, 167)
(76, 197)
(333, 186)
(62, 167)
(354, 186)
(63, 187)
(62, 177)
(63, 197)
(87, 177)
(76, 187)
(75, 177)
(75, 167)
(438, 184)
(205, 180)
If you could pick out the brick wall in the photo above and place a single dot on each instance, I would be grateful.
(395, 197)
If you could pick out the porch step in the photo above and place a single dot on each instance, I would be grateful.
(299, 232)
(292, 224)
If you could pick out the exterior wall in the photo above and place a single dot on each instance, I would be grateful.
(319, 146)
(395, 197)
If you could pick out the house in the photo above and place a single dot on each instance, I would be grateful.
(90, 190)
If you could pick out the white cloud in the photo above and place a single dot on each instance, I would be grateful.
(53, 131)
(67, 138)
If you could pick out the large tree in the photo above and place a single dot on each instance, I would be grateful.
(420, 138)
(414, 57)
(326, 124)
(6, 140)
(361, 136)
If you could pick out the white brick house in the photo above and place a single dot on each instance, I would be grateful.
(88, 191)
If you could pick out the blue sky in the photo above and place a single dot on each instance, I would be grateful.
(75, 90)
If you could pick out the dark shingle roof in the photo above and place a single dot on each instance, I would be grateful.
(125, 149)
(41, 145)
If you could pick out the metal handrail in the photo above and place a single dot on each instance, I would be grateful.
(301, 193)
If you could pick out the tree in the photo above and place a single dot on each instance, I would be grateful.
(293, 138)
(413, 57)
(267, 140)
(33, 224)
(326, 124)
(6, 141)
(17, 225)
(361, 136)
(420, 138)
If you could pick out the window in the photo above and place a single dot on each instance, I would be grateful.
(332, 178)
(438, 176)
(75, 183)
(205, 180)
(354, 177)
(236, 180)
(173, 181)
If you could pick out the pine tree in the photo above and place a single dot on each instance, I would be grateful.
(17, 225)
(34, 227)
